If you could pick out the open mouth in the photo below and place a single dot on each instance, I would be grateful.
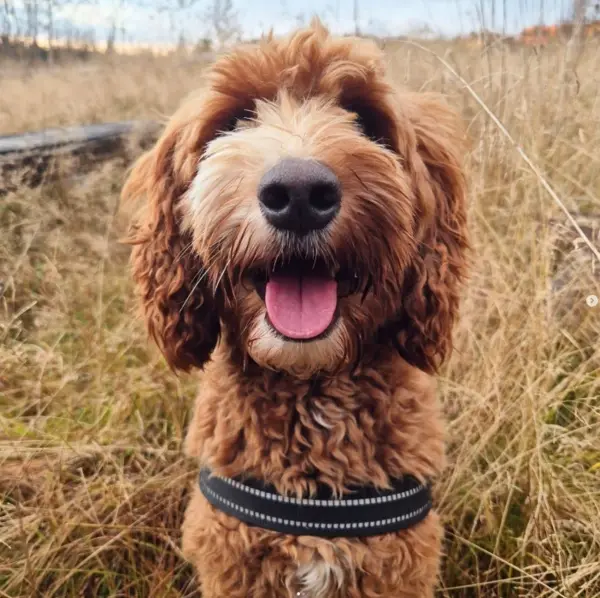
(301, 296)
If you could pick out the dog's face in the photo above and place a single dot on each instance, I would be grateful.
(308, 217)
(302, 210)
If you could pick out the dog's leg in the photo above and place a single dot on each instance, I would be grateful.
(232, 560)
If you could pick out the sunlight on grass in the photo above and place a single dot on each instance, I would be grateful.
(91, 419)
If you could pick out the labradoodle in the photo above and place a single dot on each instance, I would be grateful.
(302, 243)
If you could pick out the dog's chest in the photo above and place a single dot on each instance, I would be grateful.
(336, 435)
(347, 430)
(319, 579)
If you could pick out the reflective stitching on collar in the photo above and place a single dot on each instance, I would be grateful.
(324, 503)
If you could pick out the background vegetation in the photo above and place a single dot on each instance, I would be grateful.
(92, 479)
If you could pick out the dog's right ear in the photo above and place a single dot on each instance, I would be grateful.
(178, 305)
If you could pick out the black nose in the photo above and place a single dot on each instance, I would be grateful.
(299, 195)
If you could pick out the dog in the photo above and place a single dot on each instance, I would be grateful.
(302, 244)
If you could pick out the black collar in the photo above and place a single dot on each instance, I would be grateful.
(366, 512)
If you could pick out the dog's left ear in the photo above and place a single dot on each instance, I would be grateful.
(179, 306)
(433, 148)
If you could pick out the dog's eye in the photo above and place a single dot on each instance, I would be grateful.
(371, 122)
(243, 115)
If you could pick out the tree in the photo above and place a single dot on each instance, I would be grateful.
(174, 9)
(8, 22)
(223, 20)
(181, 45)
(114, 25)
(51, 5)
(203, 46)
(574, 48)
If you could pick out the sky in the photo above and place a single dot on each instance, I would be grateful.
(149, 24)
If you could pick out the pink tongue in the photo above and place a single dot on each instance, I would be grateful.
(300, 307)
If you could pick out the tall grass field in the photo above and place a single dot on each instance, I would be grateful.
(92, 477)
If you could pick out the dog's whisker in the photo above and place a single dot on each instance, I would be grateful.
(193, 290)
(186, 248)
(220, 278)
(196, 281)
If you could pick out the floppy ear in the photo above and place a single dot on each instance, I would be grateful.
(430, 300)
(179, 307)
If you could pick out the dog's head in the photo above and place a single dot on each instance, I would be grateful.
(301, 210)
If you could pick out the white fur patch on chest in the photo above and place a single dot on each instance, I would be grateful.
(319, 580)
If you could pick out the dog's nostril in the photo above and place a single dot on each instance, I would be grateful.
(323, 197)
(275, 197)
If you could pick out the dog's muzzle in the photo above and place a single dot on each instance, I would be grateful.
(365, 512)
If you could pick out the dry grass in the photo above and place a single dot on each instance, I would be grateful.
(101, 89)
(91, 420)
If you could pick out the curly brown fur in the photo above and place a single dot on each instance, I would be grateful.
(356, 405)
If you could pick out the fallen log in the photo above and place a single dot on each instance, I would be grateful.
(30, 158)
